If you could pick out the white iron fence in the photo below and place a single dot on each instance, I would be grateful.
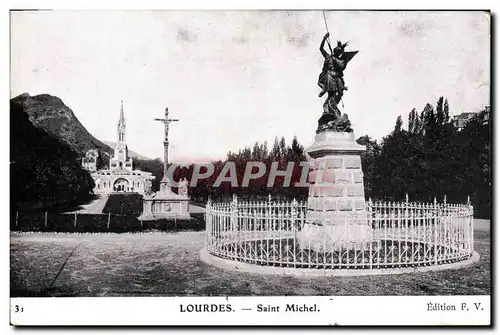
(383, 235)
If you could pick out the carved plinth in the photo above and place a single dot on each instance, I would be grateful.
(165, 204)
(336, 216)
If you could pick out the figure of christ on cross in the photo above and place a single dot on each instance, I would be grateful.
(166, 121)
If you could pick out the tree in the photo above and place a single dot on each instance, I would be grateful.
(283, 149)
(413, 121)
(155, 167)
(368, 160)
(446, 113)
(430, 124)
(297, 150)
(399, 125)
(275, 151)
(440, 113)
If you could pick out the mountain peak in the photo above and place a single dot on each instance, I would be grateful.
(41, 98)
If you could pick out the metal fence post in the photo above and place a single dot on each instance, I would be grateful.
(470, 242)
(17, 218)
(45, 219)
(208, 224)
(234, 206)
(269, 211)
(436, 230)
(293, 217)
(74, 223)
(233, 223)
(371, 226)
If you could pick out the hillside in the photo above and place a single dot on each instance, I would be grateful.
(51, 114)
(44, 171)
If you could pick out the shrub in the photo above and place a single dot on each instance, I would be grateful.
(96, 223)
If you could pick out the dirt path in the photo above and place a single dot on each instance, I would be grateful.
(196, 209)
(94, 207)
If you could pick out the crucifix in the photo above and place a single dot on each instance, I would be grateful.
(166, 121)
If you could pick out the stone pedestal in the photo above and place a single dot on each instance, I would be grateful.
(336, 216)
(165, 204)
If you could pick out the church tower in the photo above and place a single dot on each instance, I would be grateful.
(120, 158)
(121, 125)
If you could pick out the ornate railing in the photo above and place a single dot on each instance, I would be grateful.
(390, 235)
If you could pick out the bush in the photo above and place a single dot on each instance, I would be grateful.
(98, 223)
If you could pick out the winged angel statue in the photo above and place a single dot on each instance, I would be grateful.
(331, 81)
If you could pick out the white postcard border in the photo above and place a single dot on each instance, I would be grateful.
(137, 306)
(292, 310)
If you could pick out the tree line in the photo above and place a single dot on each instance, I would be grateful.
(432, 158)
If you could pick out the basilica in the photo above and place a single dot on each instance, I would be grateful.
(120, 176)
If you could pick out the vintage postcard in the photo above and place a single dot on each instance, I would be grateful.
(250, 167)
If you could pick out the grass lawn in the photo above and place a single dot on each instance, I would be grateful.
(168, 264)
(124, 203)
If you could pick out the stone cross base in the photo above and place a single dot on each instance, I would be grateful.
(336, 214)
(154, 209)
(165, 204)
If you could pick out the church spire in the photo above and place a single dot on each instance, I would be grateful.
(122, 116)
(121, 125)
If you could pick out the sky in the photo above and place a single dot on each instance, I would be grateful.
(237, 77)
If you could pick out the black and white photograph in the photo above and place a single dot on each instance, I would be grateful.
(250, 167)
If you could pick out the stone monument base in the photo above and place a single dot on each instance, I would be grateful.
(336, 216)
(333, 238)
(165, 204)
